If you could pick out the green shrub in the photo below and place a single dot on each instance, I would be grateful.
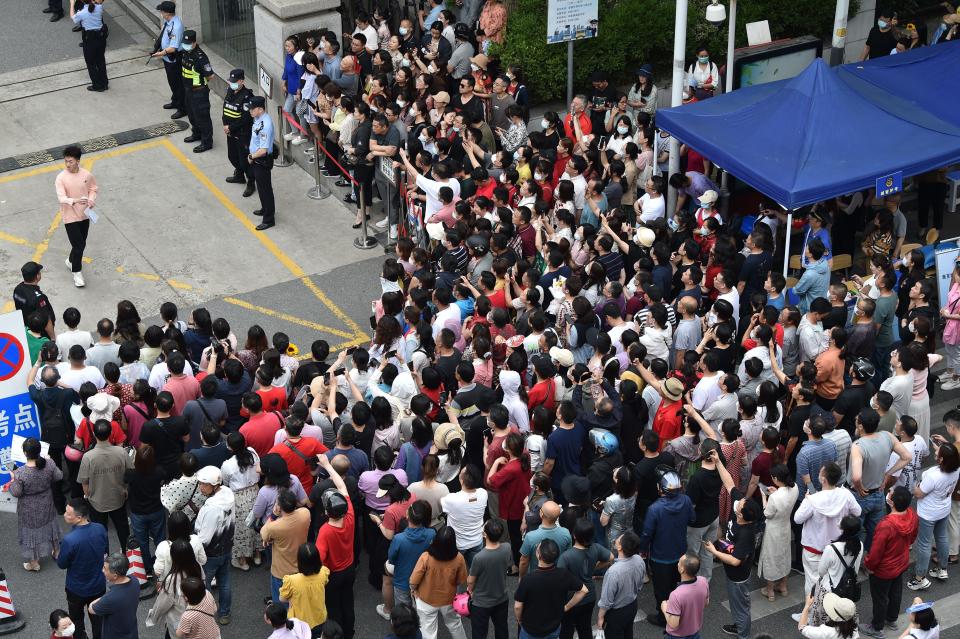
(633, 32)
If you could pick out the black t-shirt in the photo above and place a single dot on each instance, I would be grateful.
(850, 402)
(881, 43)
(144, 490)
(165, 435)
(703, 489)
(600, 97)
(473, 429)
(795, 421)
(307, 371)
(447, 367)
(753, 273)
(645, 473)
(837, 317)
(365, 437)
(473, 108)
(28, 298)
(743, 539)
(543, 594)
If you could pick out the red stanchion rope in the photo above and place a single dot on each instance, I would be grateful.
(345, 172)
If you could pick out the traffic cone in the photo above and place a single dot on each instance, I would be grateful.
(10, 621)
(138, 571)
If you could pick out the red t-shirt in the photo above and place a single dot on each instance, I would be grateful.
(85, 433)
(667, 422)
(273, 398)
(259, 431)
(543, 393)
(397, 511)
(308, 447)
(513, 485)
(335, 545)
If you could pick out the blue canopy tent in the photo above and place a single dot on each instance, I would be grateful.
(815, 136)
(923, 77)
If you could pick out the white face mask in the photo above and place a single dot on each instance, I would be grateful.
(423, 139)
(544, 123)
(539, 177)
(401, 103)
(68, 631)
(234, 86)
(623, 130)
(404, 31)
(503, 178)
(187, 47)
(404, 63)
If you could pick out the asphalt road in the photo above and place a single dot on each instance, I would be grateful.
(29, 39)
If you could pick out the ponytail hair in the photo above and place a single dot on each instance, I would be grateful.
(31, 449)
(514, 444)
(782, 474)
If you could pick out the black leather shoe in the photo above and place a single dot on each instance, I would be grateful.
(200, 148)
(47, 10)
(97, 89)
(264, 226)
(250, 190)
(169, 105)
(342, 182)
(56, 16)
(191, 138)
(77, 29)
(348, 198)
(235, 179)
(177, 115)
(258, 212)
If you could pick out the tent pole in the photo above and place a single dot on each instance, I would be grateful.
(786, 243)
(676, 94)
(728, 88)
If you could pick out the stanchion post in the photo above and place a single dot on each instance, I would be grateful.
(283, 160)
(364, 241)
(318, 191)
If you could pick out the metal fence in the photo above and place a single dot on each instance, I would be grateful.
(228, 31)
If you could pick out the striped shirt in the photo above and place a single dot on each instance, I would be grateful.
(814, 453)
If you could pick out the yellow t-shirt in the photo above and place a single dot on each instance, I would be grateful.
(306, 594)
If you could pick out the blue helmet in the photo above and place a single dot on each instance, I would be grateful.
(604, 441)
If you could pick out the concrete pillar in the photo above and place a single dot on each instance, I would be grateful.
(276, 20)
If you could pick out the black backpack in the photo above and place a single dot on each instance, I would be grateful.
(848, 587)
(56, 427)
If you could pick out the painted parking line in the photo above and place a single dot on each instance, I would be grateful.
(354, 329)
(288, 318)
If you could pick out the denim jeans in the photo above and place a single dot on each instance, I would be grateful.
(275, 583)
(526, 635)
(146, 527)
(738, 595)
(470, 553)
(696, 546)
(930, 530)
(219, 567)
(872, 510)
(881, 360)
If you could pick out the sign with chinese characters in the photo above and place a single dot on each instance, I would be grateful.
(18, 415)
(569, 20)
(890, 184)
(265, 81)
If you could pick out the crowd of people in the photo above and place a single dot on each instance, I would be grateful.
(568, 379)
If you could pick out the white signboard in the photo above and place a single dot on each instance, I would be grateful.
(265, 81)
(571, 20)
(18, 415)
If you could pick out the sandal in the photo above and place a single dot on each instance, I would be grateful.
(770, 595)
(513, 572)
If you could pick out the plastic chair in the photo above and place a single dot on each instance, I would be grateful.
(932, 236)
(842, 262)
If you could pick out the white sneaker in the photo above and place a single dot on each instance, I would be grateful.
(382, 224)
(297, 141)
(938, 573)
(290, 136)
(795, 616)
(69, 265)
(309, 150)
(382, 611)
(918, 584)
(78, 280)
(951, 384)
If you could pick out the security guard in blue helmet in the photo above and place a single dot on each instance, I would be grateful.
(237, 123)
(196, 72)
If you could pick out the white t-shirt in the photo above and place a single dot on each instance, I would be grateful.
(159, 375)
(465, 515)
(432, 189)
(707, 391)
(651, 208)
(907, 476)
(937, 487)
(67, 339)
(74, 378)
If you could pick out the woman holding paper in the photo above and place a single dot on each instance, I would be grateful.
(77, 193)
(38, 527)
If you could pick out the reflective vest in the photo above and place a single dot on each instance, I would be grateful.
(190, 74)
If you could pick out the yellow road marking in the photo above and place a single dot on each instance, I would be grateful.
(8, 306)
(268, 243)
(289, 318)
(22, 241)
(45, 244)
(56, 166)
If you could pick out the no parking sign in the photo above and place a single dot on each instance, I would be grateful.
(18, 415)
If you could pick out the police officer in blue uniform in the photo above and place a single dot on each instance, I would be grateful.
(90, 18)
(167, 47)
(261, 160)
(196, 71)
(237, 123)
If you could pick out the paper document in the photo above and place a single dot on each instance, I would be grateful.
(93, 215)
(16, 449)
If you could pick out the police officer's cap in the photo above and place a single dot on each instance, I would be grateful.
(30, 270)
(167, 7)
(189, 36)
(258, 102)
(236, 74)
